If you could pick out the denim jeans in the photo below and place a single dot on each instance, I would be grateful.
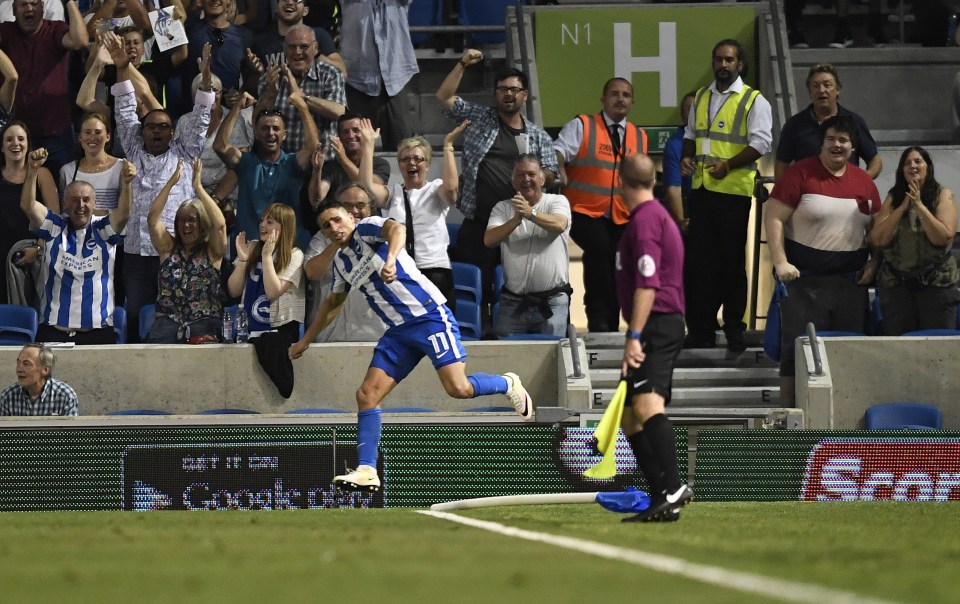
(519, 316)
(167, 331)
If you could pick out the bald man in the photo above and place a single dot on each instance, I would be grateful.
(649, 271)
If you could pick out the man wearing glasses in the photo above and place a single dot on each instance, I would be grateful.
(154, 151)
(268, 46)
(496, 137)
(320, 82)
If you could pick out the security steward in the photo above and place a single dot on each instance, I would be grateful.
(728, 130)
(590, 149)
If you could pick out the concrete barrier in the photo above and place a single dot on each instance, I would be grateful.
(186, 379)
(864, 371)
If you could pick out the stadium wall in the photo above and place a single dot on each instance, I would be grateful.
(862, 371)
(186, 379)
(173, 465)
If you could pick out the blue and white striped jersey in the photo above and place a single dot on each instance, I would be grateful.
(358, 266)
(78, 265)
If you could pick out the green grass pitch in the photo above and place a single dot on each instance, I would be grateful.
(904, 552)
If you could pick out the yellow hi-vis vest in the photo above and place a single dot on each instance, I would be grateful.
(728, 136)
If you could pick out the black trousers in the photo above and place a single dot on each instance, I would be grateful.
(140, 284)
(598, 238)
(715, 272)
(98, 336)
(443, 279)
(392, 114)
(470, 249)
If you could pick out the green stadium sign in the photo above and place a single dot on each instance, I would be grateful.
(663, 51)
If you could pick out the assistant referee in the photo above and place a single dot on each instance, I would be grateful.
(649, 272)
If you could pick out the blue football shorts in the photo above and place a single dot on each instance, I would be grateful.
(435, 335)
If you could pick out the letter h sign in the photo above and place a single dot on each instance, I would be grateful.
(664, 64)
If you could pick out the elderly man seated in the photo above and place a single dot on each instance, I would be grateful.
(36, 392)
(78, 256)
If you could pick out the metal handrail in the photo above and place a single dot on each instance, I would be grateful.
(574, 351)
(524, 53)
(815, 349)
(455, 29)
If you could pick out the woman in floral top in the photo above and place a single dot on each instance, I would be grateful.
(188, 302)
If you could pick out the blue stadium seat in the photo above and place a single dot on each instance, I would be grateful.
(453, 230)
(315, 410)
(466, 281)
(148, 313)
(838, 333)
(139, 412)
(485, 12)
(497, 289)
(120, 324)
(18, 324)
(424, 12)
(875, 318)
(491, 409)
(934, 332)
(468, 317)
(408, 410)
(227, 411)
(899, 416)
(531, 336)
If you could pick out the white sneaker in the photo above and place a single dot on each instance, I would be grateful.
(519, 396)
(364, 478)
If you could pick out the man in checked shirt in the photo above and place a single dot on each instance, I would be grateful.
(36, 392)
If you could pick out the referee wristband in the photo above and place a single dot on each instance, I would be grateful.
(634, 335)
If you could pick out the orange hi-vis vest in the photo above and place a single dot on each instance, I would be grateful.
(593, 184)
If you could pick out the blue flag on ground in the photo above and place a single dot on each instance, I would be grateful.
(631, 501)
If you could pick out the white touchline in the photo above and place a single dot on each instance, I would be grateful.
(747, 582)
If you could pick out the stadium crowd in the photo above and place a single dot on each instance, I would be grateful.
(196, 181)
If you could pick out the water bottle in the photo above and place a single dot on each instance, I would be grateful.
(243, 331)
(227, 327)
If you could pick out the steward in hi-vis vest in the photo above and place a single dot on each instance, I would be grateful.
(590, 151)
(592, 180)
(728, 130)
(724, 137)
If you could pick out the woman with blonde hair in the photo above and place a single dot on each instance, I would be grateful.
(188, 284)
(268, 274)
(417, 203)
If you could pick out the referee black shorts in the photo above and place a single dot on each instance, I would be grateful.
(662, 342)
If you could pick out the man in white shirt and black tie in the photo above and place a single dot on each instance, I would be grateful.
(589, 150)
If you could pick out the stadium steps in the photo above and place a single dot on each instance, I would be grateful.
(706, 381)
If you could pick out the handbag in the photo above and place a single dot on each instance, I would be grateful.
(771, 335)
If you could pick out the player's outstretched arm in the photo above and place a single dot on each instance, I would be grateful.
(328, 310)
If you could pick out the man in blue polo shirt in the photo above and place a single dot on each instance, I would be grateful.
(800, 136)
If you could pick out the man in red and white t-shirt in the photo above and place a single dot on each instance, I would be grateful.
(817, 222)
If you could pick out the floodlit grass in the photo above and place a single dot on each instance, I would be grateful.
(902, 552)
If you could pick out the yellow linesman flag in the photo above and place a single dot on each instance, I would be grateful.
(606, 435)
